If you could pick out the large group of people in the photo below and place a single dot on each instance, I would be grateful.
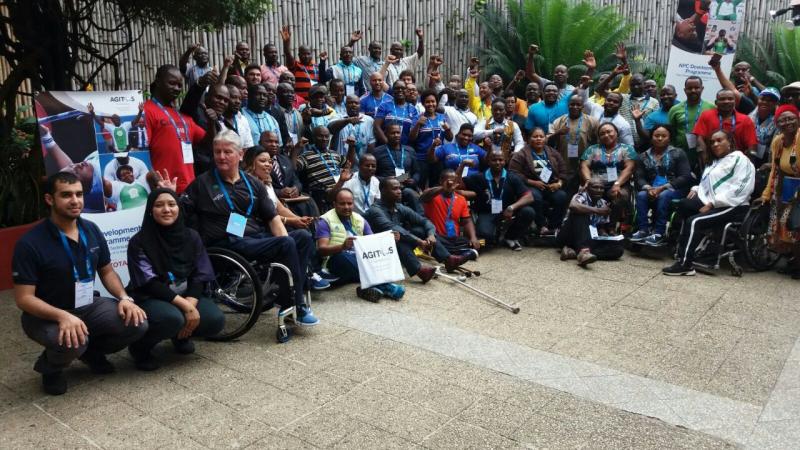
(293, 162)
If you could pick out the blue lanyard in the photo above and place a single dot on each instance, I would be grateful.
(733, 122)
(257, 118)
(434, 125)
(324, 161)
(763, 130)
(366, 188)
(172, 121)
(89, 271)
(696, 117)
(314, 66)
(540, 158)
(228, 198)
(395, 117)
(577, 130)
(461, 156)
(449, 205)
(490, 183)
(347, 70)
(348, 225)
(402, 157)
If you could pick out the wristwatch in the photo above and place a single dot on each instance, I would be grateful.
(128, 298)
(511, 207)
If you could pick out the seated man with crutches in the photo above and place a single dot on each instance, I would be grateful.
(449, 212)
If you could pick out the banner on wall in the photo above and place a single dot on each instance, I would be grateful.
(101, 138)
(701, 29)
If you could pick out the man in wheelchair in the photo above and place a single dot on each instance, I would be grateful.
(722, 197)
(232, 209)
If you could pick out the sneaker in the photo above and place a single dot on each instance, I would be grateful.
(392, 290)
(54, 383)
(143, 360)
(472, 254)
(426, 273)
(678, 269)
(331, 278)
(568, 253)
(306, 317)
(370, 294)
(98, 363)
(318, 283)
(654, 240)
(514, 245)
(639, 236)
(183, 346)
(454, 261)
(585, 257)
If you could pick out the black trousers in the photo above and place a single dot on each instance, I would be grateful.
(696, 224)
(405, 250)
(574, 233)
(487, 224)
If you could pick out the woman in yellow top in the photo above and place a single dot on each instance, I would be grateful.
(782, 186)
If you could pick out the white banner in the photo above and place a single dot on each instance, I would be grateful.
(100, 136)
(702, 29)
(378, 262)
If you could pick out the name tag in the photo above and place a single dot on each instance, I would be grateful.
(497, 206)
(762, 149)
(465, 172)
(293, 137)
(611, 174)
(336, 178)
(236, 224)
(545, 174)
(593, 231)
(691, 140)
(84, 293)
(572, 150)
(313, 82)
(660, 181)
(399, 172)
(350, 90)
(188, 155)
(180, 287)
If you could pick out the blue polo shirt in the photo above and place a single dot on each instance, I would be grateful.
(405, 115)
(541, 115)
(369, 104)
(657, 117)
(450, 156)
(40, 260)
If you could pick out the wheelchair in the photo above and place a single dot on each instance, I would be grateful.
(244, 289)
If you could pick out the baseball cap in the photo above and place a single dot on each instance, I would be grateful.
(770, 92)
(791, 86)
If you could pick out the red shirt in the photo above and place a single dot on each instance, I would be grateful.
(744, 134)
(304, 78)
(165, 147)
(436, 212)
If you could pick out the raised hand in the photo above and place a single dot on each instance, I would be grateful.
(621, 53)
(519, 76)
(637, 112)
(323, 56)
(589, 60)
(228, 61)
(391, 59)
(141, 106)
(419, 33)
(162, 179)
(474, 62)
(286, 34)
(356, 36)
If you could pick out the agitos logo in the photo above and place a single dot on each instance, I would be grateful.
(372, 254)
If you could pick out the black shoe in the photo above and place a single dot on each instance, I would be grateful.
(143, 360)
(54, 383)
(369, 294)
(678, 269)
(98, 363)
(183, 346)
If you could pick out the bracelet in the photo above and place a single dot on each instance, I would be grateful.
(128, 298)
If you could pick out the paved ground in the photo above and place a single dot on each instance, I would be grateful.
(616, 356)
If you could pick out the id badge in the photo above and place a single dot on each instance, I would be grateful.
(450, 227)
(593, 231)
(545, 174)
(188, 155)
(399, 172)
(350, 90)
(762, 149)
(236, 224)
(84, 293)
(336, 177)
(660, 181)
(691, 140)
(465, 172)
(497, 206)
(313, 82)
(572, 150)
(611, 174)
(293, 137)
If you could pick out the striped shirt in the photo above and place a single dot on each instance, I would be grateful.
(319, 168)
(305, 77)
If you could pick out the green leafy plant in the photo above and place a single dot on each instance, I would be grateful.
(562, 29)
(20, 172)
(774, 65)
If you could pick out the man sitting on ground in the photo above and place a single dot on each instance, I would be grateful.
(388, 214)
(336, 231)
(447, 209)
(364, 184)
(54, 267)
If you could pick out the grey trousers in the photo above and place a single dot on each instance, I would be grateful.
(107, 334)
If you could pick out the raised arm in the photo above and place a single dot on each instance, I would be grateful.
(355, 36)
(420, 42)
(530, 66)
(724, 81)
(184, 60)
(286, 36)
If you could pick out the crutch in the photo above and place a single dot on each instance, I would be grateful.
(467, 273)
(460, 280)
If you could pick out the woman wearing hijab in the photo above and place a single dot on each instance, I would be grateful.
(169, 269)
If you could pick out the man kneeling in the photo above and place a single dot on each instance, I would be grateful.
(336, 231)
(54, 268)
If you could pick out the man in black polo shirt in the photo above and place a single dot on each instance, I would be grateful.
(232, 209)
(54, 269)
(400, 161)
(501, 201)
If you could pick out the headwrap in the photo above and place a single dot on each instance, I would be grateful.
(167, 247)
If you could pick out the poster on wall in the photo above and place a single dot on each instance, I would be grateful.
(101, 138)
(701, 29)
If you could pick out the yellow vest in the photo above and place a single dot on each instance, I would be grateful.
(338, 231)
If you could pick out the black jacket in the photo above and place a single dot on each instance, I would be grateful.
(679, 172)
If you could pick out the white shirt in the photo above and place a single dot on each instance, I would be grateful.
(598, 112)
(407, 63)
(243, 130)
(139, 168)
(728, 181)
(357, 185)
(482, 131)
(456, 117)
(363, 132)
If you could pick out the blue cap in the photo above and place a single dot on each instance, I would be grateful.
(770, 92)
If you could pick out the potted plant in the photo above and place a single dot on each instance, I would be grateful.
(21, 172)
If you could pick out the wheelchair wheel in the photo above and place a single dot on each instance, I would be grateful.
(757, 252)
(236, 291)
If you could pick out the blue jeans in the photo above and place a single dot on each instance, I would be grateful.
(344, 266)
(550, 207)
(660, 210)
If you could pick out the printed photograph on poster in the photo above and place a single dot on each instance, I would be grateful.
(690, 22)
(95, 134)
(728, 10)
(721, 37)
